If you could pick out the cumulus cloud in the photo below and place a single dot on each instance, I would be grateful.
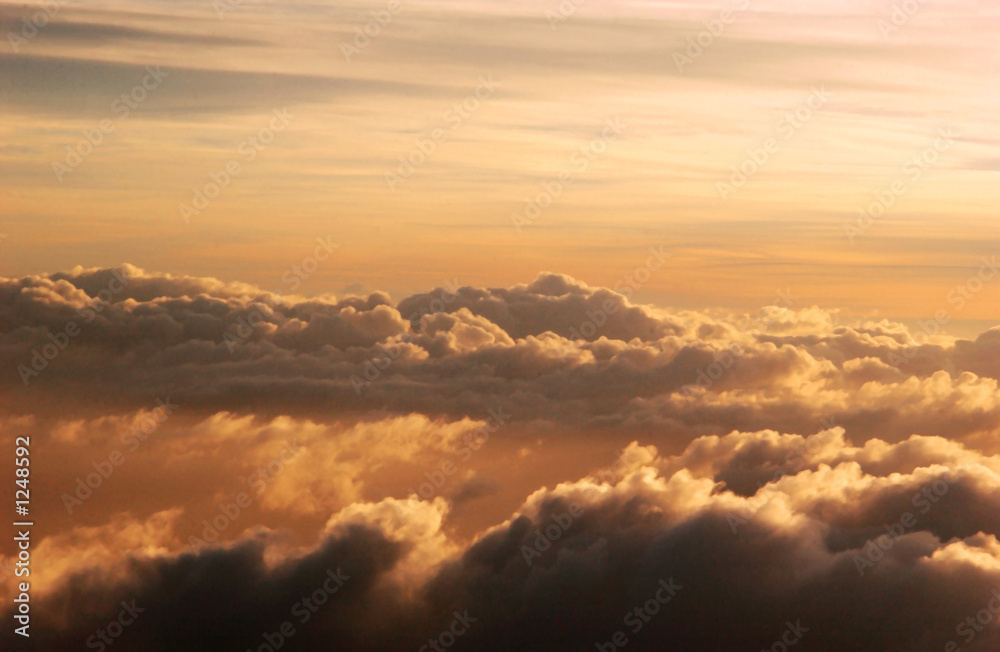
(788, 551)
(544, 347)
(480, 452)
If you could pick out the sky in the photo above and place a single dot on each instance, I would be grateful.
(417, 325)
(558, 74)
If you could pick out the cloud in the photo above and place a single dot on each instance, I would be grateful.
(216, 345)
(30, 87)
(753, 564)
(464, 451)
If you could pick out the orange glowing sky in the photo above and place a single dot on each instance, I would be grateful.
(419, 278)
(556, 83)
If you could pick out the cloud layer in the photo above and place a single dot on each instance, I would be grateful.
(505, 468)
